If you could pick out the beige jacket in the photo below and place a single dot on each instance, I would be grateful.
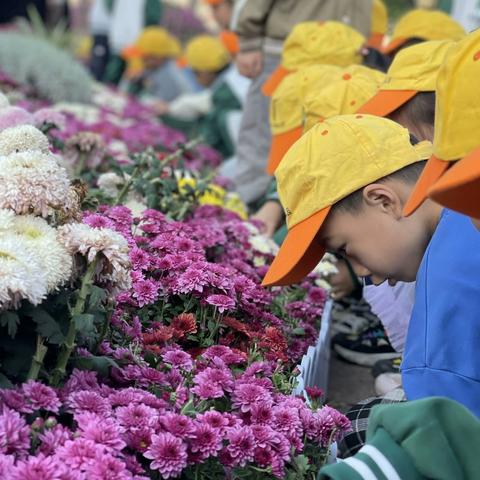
(264, 24)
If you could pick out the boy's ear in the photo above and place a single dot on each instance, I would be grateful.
(380, 195)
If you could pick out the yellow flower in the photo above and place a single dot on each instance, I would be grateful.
(214, 195)
(235, 204)
(186, 185)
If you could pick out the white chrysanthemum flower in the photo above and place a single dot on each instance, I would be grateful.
(32, 182)
(111, 247)
(110, 183)
(263, 244)
(322, 283)
(325, 268)
(41, 238)
(6, 219)
(3, 101)
(135, 206)
(21, 139)
(21, 275)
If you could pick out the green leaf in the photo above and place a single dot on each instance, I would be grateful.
(299, 331)
(97, 297)
(84, 322)
(96, 363)
(47, 326)
(5, 382)
(11, 321)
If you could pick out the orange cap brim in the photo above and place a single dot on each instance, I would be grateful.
(376, 41)
(280, 145)
(459, 187)
(299, 253)
(393, 45)
(274, 80)
(131, 52)
(387, 101)
(433, 170)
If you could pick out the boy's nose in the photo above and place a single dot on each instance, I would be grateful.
(359, 269)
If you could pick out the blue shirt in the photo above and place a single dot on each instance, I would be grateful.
(442, 351)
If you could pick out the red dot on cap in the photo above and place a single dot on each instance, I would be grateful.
(476, 56)
(359, 116)
(353, 102)
(347, 76)
(325, 132)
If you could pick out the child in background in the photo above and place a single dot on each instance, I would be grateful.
(207, 113)
(417, 26)
(452, 177)
(152, 72)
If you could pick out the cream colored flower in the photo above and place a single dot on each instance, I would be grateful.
(6, 219)
(42, 241)
(110, 183)
(21, 139)
(21, 274)
(135, 206)
(32, 182)
(4, 102)
(110, 247)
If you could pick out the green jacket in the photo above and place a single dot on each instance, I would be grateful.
(434, 438)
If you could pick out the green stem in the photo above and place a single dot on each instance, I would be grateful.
(126, 188)
(37, 360)
(79, 167)
(79, 308)
(180, 151)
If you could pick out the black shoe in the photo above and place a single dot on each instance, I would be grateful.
(386, 366)
(365, 348)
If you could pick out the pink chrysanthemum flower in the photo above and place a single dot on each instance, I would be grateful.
(35, 468)
(88, 401)
(241, 446)
(178, 358)
(136, 416)
(169, 455)
(54, 438)
(41, 397)
(14, 433)
(78, 453)
(222, 302)
(247, 394)
(178, 425)
(107, 467)
(206, 441)
(103, 431)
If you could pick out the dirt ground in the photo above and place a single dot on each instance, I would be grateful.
(348, 384)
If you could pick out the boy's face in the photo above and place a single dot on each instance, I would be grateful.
(222, 13)
(204, 78)
(377, 239)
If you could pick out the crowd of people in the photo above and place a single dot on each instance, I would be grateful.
(343, 138)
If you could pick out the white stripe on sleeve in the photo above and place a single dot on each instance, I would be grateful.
(381, 460)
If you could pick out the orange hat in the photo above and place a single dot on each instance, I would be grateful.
(332, 160)
(214, 2)
(315, 43)
(286, 108)
(457, 124)
(230, 41)
(379, 24)
(414, 69)
(425, 24)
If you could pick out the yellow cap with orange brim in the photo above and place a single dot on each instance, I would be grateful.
(424, 24)
(457, 127)
(206, 53)
(414, 69)
(350, 88)
(331, 161)
(316, 43)
(286, 110)
(153, 41)
(379, 24)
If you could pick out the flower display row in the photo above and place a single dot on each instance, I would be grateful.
(137, 341)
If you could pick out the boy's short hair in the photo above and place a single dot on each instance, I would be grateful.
(420, 109)
(409, 175)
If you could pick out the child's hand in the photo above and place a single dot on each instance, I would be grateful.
(271, 215)
(160, 107)
(342, 282)
(250, 64)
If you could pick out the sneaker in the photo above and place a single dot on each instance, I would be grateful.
(386, 366)
(387, 382)
(365, 348)
(347, 322)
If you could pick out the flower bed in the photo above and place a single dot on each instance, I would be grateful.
(137, 340)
